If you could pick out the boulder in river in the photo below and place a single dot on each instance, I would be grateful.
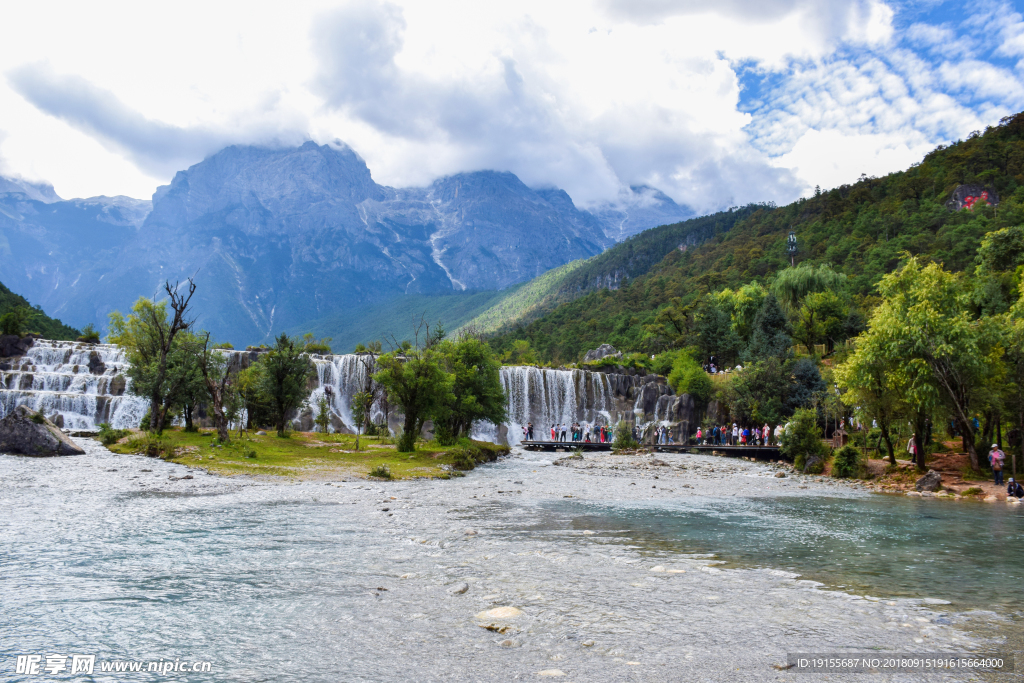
(26, 432)
(929, 482)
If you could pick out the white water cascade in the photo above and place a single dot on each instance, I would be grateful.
(346, 375)
(546, 397)
(85, 384)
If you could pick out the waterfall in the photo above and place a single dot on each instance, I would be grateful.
(346, 375)
(84, 384)
(546, 397)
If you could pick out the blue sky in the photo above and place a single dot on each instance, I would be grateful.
(717, 104)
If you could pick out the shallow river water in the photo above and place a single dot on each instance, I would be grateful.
(664, 574)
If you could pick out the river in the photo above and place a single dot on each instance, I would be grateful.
(712, 570)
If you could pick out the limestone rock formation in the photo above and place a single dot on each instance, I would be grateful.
(602, 351)
(13, 345)
(26, 432)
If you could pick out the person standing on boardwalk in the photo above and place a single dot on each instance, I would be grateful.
(735, 435)
(996, 458)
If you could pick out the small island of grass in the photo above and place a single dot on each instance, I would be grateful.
(310, 455)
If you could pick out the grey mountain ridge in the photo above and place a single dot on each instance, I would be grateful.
(278, 237)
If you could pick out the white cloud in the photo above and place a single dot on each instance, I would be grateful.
(587, 95)
(849, 156)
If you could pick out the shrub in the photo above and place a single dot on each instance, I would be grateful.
(381, 472)
(147, 444)
(89, 335)
(108, 435)
(407, 442)
(973, 491)
(802, 439)
(38, 418)
(624, 437)
(463, 460)
(688, 377)
(848, 463)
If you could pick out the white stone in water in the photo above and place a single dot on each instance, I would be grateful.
(551, 672)
(658, 568)
(500, 613)
(407, 576)
(589, 533)
(459, 588)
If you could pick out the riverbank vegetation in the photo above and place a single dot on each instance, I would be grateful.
(453, 382)
(308, 455)
(897, 306)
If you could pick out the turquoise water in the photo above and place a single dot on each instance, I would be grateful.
(971, 554)
(121, 557)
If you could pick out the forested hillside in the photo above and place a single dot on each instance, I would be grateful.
(15, 311)
(863, 230)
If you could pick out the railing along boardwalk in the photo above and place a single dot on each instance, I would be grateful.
(760, 452)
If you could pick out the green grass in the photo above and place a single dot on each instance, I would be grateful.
(307, 455)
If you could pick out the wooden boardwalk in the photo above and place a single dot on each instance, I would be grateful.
(761, 452)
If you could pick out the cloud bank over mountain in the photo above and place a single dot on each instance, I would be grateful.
(713, 104)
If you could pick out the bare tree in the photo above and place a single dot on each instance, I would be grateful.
(164, 334)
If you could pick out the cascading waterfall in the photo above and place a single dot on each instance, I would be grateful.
(346, 375)
(85, 384)
(546, 397)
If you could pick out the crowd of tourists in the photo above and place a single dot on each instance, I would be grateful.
(724, 435)
(574, 433)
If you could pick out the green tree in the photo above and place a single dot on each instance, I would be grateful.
(283, 377)
(792, 285)
(148, 338)
(362, 403)
(184, 371)
(520, 353)
(770, 337)
(760, 392)
(743, 306)
(218, 382)
(15, 321)
(476, 393)
(926, 335)
(323, 415)
(713, 332)
(312, 345)
(801, 439)
(871, 382)
(688, 377)
(821, 319)
(89, 335)
(247, 384)
(417, 384)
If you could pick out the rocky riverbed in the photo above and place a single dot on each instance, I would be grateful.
(486, 577)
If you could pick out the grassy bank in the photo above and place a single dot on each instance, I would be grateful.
(308, 455)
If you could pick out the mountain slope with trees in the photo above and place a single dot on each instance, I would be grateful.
(862, 230)
(18, 316)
